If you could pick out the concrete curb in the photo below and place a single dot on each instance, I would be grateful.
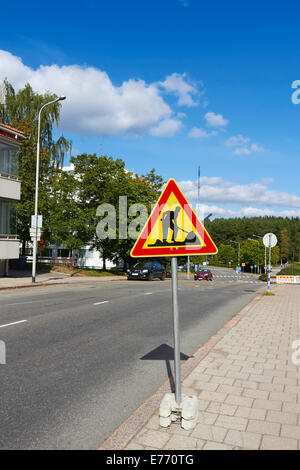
(134, 423)
(47, 283)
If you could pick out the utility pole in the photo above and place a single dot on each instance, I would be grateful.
(197, 213)
(239, 251)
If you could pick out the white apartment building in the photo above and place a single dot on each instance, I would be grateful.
(10, 193)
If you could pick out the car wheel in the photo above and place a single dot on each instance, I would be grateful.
(163, 277)
(150, 277)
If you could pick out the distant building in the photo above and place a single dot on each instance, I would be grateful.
(10, 193)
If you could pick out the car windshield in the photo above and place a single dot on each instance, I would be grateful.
(142, 266)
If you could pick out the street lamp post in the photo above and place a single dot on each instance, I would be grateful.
(61, 98)
(257, 236)
(258, 265)
(239, 250)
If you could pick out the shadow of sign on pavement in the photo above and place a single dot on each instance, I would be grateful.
(164, 352)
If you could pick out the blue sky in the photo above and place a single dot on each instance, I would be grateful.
(173, 84)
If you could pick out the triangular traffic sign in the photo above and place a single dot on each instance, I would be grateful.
(173, 229)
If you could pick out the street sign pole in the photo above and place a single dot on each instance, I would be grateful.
(270, 240)
(176, 330)
(269, 270)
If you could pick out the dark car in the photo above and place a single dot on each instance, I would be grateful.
(148, 270)
(203, 274)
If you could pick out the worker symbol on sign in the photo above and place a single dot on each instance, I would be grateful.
(173, 229)
(169, 224)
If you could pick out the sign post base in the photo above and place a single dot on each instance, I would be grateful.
(186, 412)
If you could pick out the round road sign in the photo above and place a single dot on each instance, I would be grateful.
(270, 240)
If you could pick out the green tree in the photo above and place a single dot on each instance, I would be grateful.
(21, 111)
(285, 244)
(227, 253)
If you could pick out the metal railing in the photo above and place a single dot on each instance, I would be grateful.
(55, 261)
(8, 237)
(9, 176)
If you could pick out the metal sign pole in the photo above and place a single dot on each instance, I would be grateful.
(176, 330)
(269, 270)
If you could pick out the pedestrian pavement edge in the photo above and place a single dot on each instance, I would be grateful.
(64, 282)
(134, 423)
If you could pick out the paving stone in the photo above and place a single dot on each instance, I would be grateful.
(216, 446)
(278, 443)
(250, 413)
(182, 443)
(247, 440)
(222, 380)
(290, 430)
(262, 427)
(283, 396)
(232, 422)
(152, 438)
(281, 417)
(221, 408)
(239, 401)
(212, 396)
(209, 433)
(210, 386)
(261, 394)
(268, 404)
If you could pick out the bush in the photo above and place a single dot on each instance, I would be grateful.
(263, 277)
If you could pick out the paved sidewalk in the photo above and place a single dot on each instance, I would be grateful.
(246, 384)
(18, 279)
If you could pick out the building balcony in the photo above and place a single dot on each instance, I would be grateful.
(9, 247)
(10, 187)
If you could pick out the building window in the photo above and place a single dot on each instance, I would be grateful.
(8, 218)
(64, 253)
(8, 161)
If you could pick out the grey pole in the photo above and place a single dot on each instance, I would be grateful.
(269, 270)
(36, 199)
(176, 330)
(37, 187)
(188, 268)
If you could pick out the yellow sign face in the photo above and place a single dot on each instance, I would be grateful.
(173, 229)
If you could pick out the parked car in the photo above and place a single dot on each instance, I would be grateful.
(147, 270)
(203, 274)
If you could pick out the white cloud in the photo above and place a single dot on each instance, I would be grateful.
(250, 211)
(215, 120)
(253, 148)
(257, 148)
(242, 151)
(182, 88)
(237, 140)
(243, 145)
(95, 105)
(219, 190)
(199, 133)
(166, 128)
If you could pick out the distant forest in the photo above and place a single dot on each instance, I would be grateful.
(286, 229)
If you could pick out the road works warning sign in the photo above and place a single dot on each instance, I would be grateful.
(173, 229)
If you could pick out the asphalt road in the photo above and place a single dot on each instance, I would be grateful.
(74, 354)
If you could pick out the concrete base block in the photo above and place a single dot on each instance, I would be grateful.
(186, 411)
(189, 412)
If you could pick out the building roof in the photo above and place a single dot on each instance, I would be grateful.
(10, 132)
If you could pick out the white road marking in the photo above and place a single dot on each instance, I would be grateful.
(23, 303)
(14, 323)
(148, 293)
(99, 303)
